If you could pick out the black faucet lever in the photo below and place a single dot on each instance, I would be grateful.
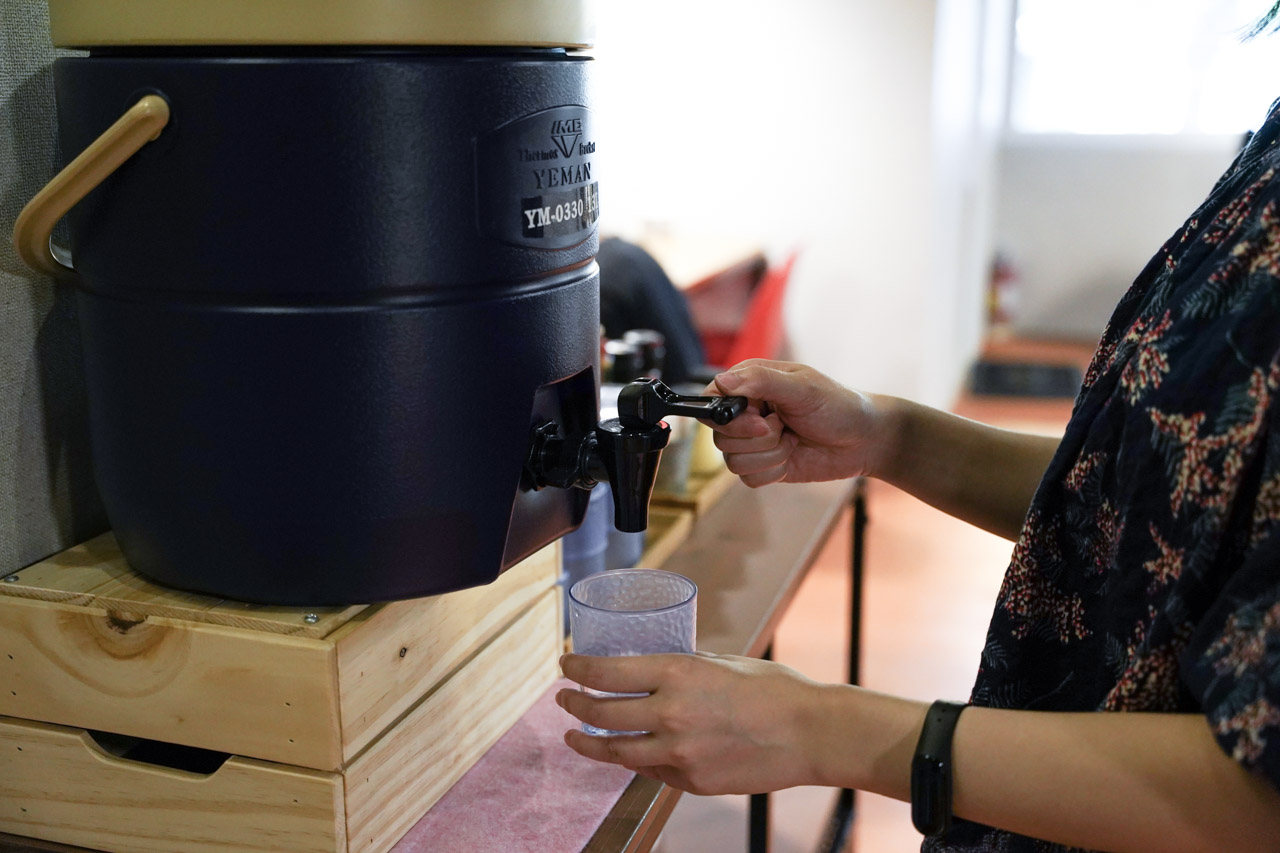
(647, 401)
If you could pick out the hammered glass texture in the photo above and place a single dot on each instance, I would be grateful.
(633, 612)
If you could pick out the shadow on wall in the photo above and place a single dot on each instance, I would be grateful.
(48, 498)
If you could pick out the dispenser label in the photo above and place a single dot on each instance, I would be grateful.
(536, 179)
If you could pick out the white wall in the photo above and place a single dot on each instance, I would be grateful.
(1080, 216)
(800, 124)
(868, 134)
(970, 86)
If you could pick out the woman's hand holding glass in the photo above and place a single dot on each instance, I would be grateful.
(714, 724)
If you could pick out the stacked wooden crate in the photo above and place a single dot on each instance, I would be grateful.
(138, 718)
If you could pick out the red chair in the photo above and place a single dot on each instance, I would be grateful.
(761, 332)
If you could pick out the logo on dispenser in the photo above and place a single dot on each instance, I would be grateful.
(537, 184)
(565, 133)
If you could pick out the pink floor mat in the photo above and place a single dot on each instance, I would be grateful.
(528, 794)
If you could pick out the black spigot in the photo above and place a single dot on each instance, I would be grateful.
(624, 450)
(630, 456)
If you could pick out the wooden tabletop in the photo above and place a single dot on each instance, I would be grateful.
(748, 555)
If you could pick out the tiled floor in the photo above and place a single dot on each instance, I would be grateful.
(930, 585)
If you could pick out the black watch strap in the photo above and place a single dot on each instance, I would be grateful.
(931, 769)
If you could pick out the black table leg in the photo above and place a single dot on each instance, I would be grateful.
(840, 824)
(856, 551)
(758, 811)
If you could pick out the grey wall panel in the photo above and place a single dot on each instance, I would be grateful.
(48, 500)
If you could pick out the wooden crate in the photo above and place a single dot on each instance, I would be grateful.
(328, 730)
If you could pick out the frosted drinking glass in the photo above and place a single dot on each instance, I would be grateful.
(632, 612)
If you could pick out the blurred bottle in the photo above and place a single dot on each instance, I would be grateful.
(584, 548)
(673, 469)
(653, 350)
(1003, 292)
(622, 362)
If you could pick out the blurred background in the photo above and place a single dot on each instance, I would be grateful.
(962, 183)
(908, 149)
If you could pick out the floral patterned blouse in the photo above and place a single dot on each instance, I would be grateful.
(1147, 574)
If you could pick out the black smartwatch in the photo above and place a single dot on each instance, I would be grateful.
(931, 769)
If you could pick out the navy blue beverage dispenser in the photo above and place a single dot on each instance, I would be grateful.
(334, 270)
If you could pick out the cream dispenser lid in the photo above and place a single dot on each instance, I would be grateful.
(464, 23)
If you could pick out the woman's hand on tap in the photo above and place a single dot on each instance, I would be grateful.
(800, 426)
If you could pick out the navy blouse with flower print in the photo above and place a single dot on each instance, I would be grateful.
(1147, 574)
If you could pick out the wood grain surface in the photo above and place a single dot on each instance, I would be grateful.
(95, 574)
(249, 693)
(106, 658)
(388, 656)
(402, 774)
(58, 783)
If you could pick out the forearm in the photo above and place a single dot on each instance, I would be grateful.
(977, 473)
(1107, 781)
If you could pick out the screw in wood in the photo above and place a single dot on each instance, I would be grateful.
(311, 618)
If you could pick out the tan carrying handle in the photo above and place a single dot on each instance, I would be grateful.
(141, 124)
